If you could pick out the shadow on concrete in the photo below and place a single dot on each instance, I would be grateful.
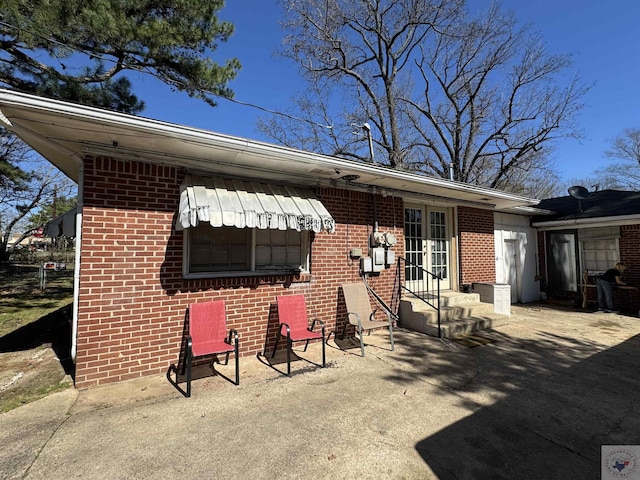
(561, 399)
(176, 374)
(53, 329)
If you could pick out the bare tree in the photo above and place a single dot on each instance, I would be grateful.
(27, 183)
(363, 48)
(624, 172)
(440, 88)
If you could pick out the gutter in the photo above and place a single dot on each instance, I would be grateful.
(588, 222)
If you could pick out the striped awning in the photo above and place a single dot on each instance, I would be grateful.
(237, 203)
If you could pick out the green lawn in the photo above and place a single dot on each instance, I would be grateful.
(22, 301)
(34, 334)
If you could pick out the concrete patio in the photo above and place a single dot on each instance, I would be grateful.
(534, 398)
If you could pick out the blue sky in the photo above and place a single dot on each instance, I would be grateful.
(601, 35)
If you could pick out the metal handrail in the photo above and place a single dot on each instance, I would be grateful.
(429, 285)
(388, 310)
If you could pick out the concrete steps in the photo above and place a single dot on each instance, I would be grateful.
(460, 313)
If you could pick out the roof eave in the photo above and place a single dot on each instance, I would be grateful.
(588, 222)
(24, 114)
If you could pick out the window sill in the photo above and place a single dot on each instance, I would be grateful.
(287, 276)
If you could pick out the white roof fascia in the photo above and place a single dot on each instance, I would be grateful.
(588, 222)
(15, 107)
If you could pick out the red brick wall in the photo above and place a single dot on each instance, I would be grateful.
(626, 299)
(476, 245)
(133, 300)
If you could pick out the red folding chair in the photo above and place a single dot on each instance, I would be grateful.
(294, 324)
(208, 336)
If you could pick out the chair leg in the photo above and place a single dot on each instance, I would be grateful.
(361, 342)
(237, 364)
(188, 360)
(306, 344)
(390, 330)
(324, 358)
(288, 356)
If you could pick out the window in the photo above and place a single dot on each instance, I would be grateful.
(277, 248)
(600, 255)
(599, 248)
(224, 250)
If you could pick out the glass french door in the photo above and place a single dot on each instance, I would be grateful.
(427, 245)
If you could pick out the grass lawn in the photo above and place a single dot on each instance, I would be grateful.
(34, 334)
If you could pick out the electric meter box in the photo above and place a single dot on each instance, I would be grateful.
(391, 257)
(378, 257)
(366, 264)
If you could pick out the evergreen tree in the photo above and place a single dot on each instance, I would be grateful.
(74, 50)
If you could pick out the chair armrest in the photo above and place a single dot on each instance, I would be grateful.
(286, 325)
(313, 323)
(189, 351)
(358, 322)
(233, 333)
(373, 315)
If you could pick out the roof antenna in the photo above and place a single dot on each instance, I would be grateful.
(579, 193)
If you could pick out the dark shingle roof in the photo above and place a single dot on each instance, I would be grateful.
(604, 203)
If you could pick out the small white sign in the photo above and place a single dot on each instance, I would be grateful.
(620, 461)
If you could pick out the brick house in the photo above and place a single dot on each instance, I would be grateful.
(582, 237)
(149, 244)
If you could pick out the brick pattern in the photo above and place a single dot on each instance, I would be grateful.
(133, 300)
(476, 245)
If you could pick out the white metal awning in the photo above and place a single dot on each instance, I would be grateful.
(237, 203)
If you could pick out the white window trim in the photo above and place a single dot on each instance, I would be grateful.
(583, 262)
(251, 272)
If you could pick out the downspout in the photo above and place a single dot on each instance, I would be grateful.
(76, 266)
(375, 211)
(456, 239)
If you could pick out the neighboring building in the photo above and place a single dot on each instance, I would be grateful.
(170, 215)
(35, 241)
(590, 235)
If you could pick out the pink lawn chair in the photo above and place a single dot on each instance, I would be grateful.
(208, 336)
(294, 324)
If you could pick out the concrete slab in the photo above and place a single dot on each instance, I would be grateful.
(535, 399)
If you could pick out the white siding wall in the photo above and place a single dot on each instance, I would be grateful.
(517, 229)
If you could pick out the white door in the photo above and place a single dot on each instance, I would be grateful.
(511, 267)
(427, 246)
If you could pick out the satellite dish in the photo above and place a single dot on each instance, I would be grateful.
(578, 192)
